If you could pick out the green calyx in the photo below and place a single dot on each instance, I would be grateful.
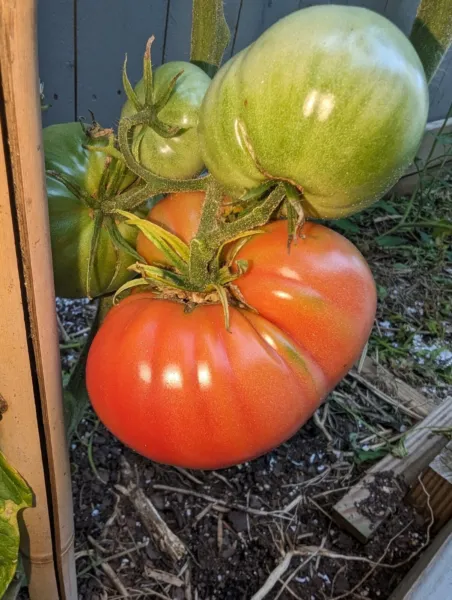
(203, 267)
(148, 111)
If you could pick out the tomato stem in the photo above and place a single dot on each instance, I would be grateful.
(214, 232)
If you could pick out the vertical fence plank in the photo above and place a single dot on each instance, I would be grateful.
(232, 9)
(378, 6)
(402, 13)
(256, 17)
(441, 89)
(106, 31)
(56, 58)
(178, 30)
(32, 432)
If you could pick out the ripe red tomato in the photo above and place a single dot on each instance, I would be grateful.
(177, 387)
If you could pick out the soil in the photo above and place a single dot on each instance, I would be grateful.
(251, 516)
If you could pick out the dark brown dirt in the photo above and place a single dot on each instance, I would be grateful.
(231, 552)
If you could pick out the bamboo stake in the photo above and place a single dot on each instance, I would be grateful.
(32, 430)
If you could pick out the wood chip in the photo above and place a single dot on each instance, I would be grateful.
(164, 577)
(166, 540)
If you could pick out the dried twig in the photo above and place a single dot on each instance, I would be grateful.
(166, 540)
(110, 558)
(320, 421)
(163, 577)
(112, 518)
(274, 577)
(188, 475)
(385, 397)
(117, 583)
(217, 503)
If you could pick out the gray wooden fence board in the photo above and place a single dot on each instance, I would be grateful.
(375, 5)
(232, 11)
(56, 58)
(177, 40)
(106, 30)
(256, 16)
(441, 89)
(402, 13)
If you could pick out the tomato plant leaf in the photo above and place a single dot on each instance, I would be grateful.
(387, 241)
(130, 92)
(119, 241)
(172, 246)
(129, 285)
(14, 496)
(346, 225)
(209, 35)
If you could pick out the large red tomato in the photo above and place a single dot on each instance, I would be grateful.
(179, 388)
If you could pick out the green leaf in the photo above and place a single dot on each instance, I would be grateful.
(388, 241)
(399, 450)
(386, 206)
(172, 246)
(14, 496)
(432, 33)
(130, 285)
(347, 225)
(382, 292)
(159, 276)
(209, 35)
(130, 92)
(362, 456)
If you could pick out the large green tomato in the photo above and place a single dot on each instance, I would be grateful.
(178, 157)
(72, 218)
(331, 98)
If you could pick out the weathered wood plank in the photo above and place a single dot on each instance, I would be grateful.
(402, 13)
(437, 480)
(409, 181)
(256, 17)
(421, 444)
(232, 11)
(441, 89)
(378, 6)
(178, 30)
(106, 31)
(393, 388)
(431, 576)
(56, 49)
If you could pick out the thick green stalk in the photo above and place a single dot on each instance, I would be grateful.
(432, 33)
(209, 35)
(214, 233)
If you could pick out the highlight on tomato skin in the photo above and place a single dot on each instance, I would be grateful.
(180, 389)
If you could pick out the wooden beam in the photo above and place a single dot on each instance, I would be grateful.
(431, 576)
(422, 445)
(32, 430)
(408, 182)
(437, 480)
(393, 390)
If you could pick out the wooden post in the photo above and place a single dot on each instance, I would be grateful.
(437, 481)
(32, 430)
(422, 444)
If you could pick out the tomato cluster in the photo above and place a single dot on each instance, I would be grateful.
(241, 321)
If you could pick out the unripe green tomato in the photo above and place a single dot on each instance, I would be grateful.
(178, 157)
(72, 221)
(331, 98)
